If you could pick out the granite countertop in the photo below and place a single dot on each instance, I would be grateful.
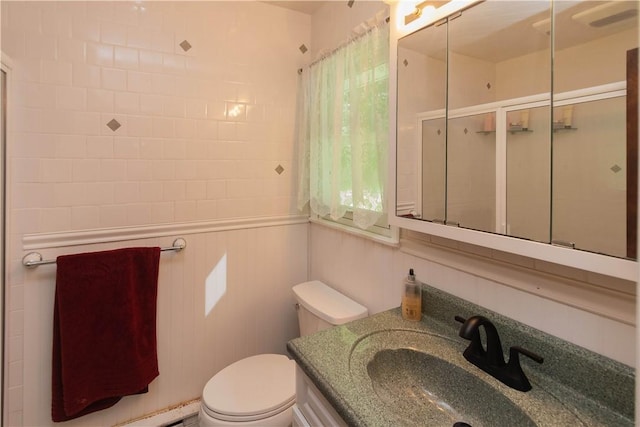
(572, 387)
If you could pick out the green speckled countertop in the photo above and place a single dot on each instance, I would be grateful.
(572, 387)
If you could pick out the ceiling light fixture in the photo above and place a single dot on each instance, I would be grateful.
(429, 5)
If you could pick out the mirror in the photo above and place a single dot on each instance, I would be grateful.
(421, 124)
(485, 144)
(528, 174)
(589, 184)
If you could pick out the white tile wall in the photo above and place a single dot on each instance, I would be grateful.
(412, 94)
(201, 134)
(79, 65)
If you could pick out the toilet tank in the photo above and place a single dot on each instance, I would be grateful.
(321, 307)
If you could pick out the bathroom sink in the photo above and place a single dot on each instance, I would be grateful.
(411, 377)
(407, 380)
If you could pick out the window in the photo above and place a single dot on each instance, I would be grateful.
(343, 119)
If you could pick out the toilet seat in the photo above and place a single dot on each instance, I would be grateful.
(250, 389)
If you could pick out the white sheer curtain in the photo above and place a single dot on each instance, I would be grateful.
(342, 125)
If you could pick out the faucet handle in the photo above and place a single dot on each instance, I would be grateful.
(460, 319)
(516, 349)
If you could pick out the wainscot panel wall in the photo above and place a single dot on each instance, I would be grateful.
(252, 269)
(129, 114)
(373, 273)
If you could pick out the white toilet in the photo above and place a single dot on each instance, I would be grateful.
(260, 390)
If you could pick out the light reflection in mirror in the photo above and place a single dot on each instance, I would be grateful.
(492, 65)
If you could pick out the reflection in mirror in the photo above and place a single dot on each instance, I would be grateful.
(559, 170)
(434, 160)
(590, 205)
(422, 87)
(497, 58)
(528, 175)
(485, 61)
(588, 165)
(471, 174)
(497, 53)
(591, 38)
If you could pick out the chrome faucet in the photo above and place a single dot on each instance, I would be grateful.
(491, 359)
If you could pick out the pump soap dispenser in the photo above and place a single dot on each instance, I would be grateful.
(412, 298)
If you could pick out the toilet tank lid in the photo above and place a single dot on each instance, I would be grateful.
(327, 303)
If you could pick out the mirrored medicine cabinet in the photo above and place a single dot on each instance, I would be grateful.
(516, 130)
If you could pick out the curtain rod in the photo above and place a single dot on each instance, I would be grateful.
(300, 70)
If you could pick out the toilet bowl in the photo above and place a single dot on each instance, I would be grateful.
(260, 390)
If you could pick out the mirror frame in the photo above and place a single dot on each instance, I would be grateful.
(591, 262)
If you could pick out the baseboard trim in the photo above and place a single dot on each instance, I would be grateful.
(166, 417)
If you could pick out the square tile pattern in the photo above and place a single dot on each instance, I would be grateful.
(185, 45)
(114, 125)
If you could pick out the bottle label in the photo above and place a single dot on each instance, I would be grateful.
(411, 308)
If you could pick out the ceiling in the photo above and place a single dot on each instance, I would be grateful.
(495, 33)
(308, 7)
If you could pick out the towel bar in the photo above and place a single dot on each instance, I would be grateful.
(34, 259)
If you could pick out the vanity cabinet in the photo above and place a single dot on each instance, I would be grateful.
(311, 408)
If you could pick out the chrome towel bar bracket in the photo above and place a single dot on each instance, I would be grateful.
(34, 259)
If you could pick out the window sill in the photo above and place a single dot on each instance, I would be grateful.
(392, 240)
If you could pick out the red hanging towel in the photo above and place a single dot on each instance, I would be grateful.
(104, 329)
